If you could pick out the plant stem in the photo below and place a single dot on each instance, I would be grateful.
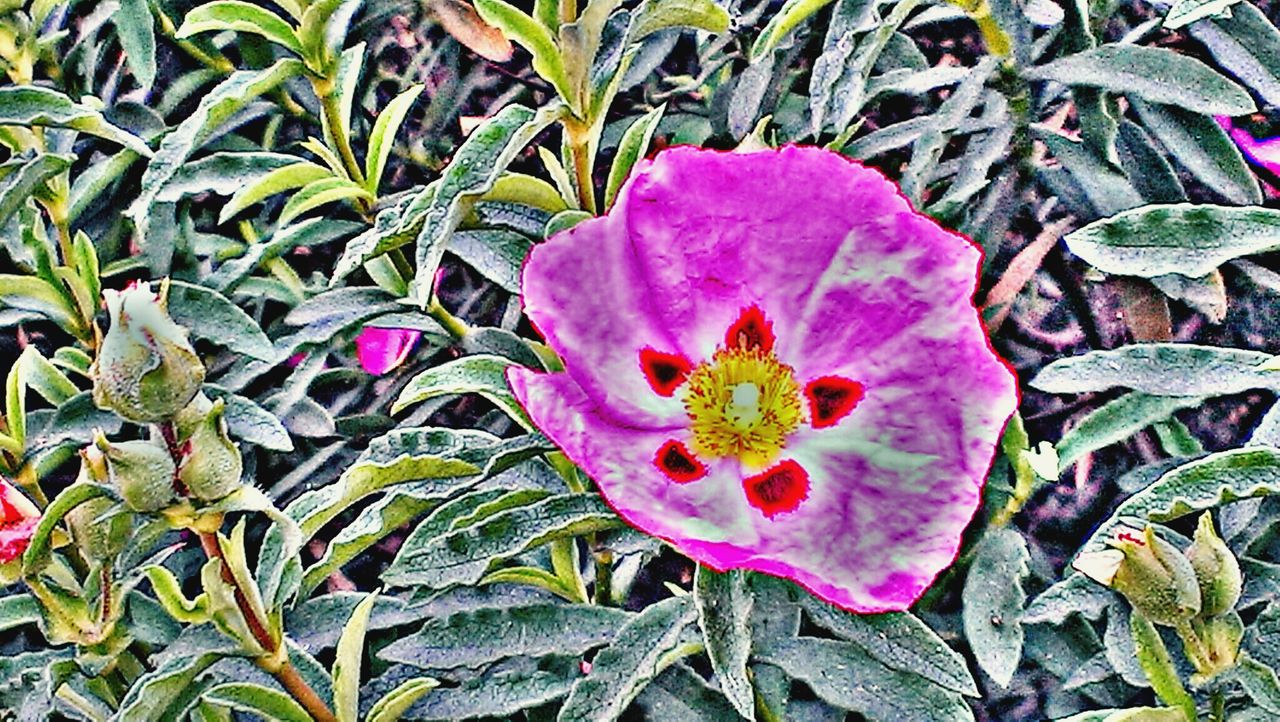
(284, 672)
(1218, 713)
(582, 171)
(604, 576)
(456, 327)
(337, 131)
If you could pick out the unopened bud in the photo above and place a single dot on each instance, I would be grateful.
(1221, 637)
(1216, 568)
(140, 471)
(191, 416)
(99, 534)
(212, 466)
(146, 370)
(1150, 572)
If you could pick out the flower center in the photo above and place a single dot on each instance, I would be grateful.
(743, 403)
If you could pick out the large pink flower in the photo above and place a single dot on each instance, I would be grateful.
(773, 363)
(18, 521)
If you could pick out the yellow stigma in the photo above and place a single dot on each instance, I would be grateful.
(742, 403)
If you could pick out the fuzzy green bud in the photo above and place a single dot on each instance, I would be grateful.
(146, 370)
(99, 534)
(212, 466)
(1216, 568)
(186, 421)
(1150, 572)
(1221, 637)
(140, 471)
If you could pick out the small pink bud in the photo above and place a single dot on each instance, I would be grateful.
(380, 350)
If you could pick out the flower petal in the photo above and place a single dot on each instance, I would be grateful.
(584, 292)
(717, 233)
(15, 537)
(380, 350)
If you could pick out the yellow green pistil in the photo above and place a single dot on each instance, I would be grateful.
(743, 403)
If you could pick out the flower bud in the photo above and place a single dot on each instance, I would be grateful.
(1150, 572)
(191, 416)
(212, 466)
(1220, 637)
(141, 471)
(99, 537)
(146, 370)
(18, 520)
(1216, 568)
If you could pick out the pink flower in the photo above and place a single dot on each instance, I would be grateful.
(18, 520)
(1263, 153)
(380, 350)
(773, 363)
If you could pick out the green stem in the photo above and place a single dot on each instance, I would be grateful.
(325, 90)
(604, 575)
(582, 172)
(456, 327)
(1218, 712)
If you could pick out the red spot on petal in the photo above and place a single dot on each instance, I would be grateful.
(1127, 537)
(664, 371)
(681, 466)
(751, 330)
(831, 398)
(778, 490)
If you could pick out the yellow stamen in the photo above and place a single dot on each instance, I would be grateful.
(743, 403)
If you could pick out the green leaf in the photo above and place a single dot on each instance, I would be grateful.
(478, 637)
(497, 693)
(392, 706)
(478, 163)
(1247, 45)
(346, 662)
(724, 611)
(211, 316)
(1260, 682)
(1201, 484)
(1077, 594)
(36, 557)
(655, 15)
(1183, 238)
(17, 610)
(270, 704)
(392, 227)
(29, 293)
(15, 403)
(85, 263)
(310, 232)
(20, 184)
(843, 674)
(320, 192)
(534, 37)
(482, 374)
(897, 640)
(1116, 421)
(215, 108)
(161, 694)
(1159, 369)
(632, 147)
(1159, 75)
(993, 602)
(248, 421)
(36, 106)
(791, 14)
(1158, 666)
(135, 28)
(241, 17)
(1108, 190)
(1148, 170)
(497, 254)
(680, 694)
(383, 136)
(1185, 12)
(621, 670)
(441, 463)
(1203, 148)
(45, 378)
(323, 32)
(462, 555)
(294, 175)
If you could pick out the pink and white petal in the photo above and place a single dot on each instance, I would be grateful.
(620, 460)
(584, 292)
(718, 232)
(15, 537)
